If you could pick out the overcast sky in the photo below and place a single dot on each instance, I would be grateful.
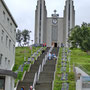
(23, 11)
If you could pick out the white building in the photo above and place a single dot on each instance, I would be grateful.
(53, 30)
(7, 47)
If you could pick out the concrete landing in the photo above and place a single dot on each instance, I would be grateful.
(79, 82)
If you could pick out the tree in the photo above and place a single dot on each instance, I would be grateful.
(75, 38)
(19, 37)
(81, 36)
(26, 37)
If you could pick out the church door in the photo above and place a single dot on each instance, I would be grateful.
(55, 44)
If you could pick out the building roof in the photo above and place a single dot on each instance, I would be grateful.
(8, 73)
(9, 12)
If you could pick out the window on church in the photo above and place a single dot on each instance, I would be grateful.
(6, 40)
(40, 11)
(8, 19)
(13, 48)
(6, 62)
(0, 59)
(2, 36)
(9, 62)
(4, 14)
(11, 27)
(9, 44)
(15, 32)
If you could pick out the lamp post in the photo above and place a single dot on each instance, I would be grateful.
(31, 47)
(32, 41)
(30, 32)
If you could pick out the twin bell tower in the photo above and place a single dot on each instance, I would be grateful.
(54, 30)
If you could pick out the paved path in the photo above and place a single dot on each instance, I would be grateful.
(79, 83)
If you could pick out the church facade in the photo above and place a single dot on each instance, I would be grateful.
(54, 30)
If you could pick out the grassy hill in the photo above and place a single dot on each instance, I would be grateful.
(81, 59)
(21, 55)
(71, 77)
(78, 58)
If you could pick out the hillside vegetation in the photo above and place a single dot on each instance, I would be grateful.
(81, 59)
(21, 56)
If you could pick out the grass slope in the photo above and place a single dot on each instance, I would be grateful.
(21, 55)
(71, 77)
(22, 52)
(81, 59)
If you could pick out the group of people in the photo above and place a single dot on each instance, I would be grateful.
(52, 56)
(44, 45)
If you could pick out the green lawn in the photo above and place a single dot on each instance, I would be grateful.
(22, 52)
(71, 77)
(81, 59)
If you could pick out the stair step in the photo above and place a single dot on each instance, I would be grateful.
(44, 86)
(46, 78)
(53, 62)
(49, 68)
(29, 76)
(26, 85)
(47, 73)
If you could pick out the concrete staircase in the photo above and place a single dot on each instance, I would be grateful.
(29, 76)
(47, 76)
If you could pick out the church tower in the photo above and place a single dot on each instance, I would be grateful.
(54, 30)
(40, 22)
(69, 21)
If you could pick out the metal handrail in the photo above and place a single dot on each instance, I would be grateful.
(23, 75)
(39, 72)
(35, 80)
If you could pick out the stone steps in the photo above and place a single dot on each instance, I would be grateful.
(26, 85)
(49, 68)
(51, 62)
(44, 86)
(47, 76)
(29, 76)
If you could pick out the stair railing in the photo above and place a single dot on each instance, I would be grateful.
(43, 63)
(37, 74)
(35, 80)
(45, 59)
(36, 77)
(39, 71)
(23, 75)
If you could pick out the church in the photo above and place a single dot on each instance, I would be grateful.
(54, 30)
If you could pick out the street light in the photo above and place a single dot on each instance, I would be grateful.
(32, 41)
(31, 47)
(30, 32)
